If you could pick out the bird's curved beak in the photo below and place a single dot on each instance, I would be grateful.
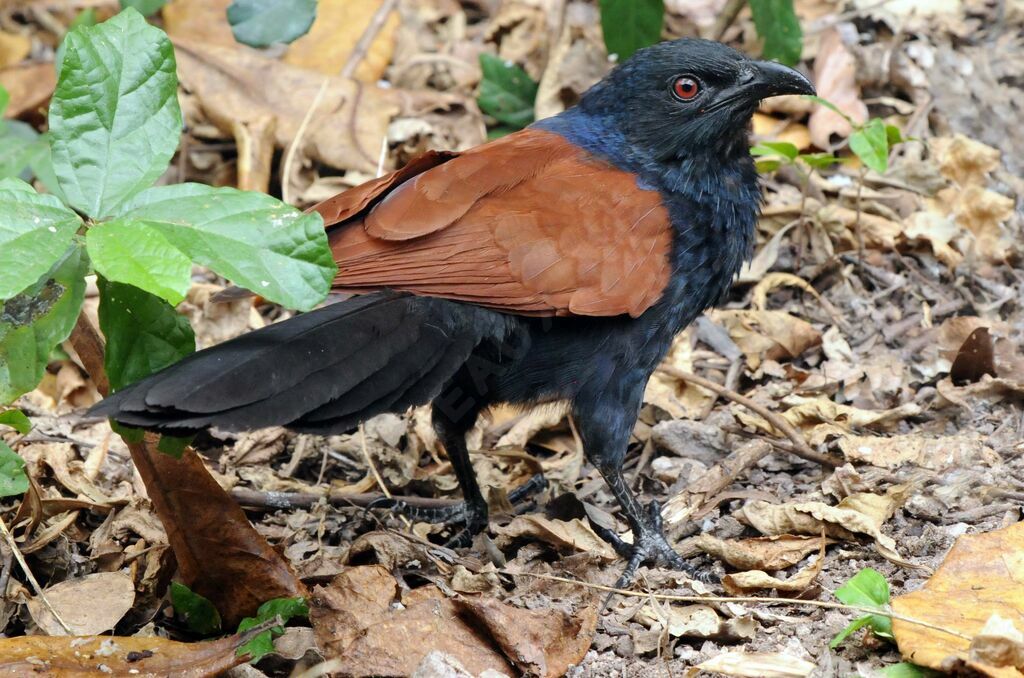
(770, 79)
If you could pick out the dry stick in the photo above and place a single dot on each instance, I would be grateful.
(289, 157)
(377, 22)
(13, 546)
(373, 470)
(800, 446)
(885, 612)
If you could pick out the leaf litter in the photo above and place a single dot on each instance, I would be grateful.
(899, 357)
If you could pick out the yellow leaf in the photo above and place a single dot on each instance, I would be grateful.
(339, 25)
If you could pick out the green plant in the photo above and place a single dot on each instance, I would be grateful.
(114, 126)
(779, 29)
(867, 588)
(260, 23)
(143, 7)
(263, 644)
(870, 141)
(628, 25)
(506, 94)
(199, 614)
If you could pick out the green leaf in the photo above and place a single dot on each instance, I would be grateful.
(144, 7)
(128, 434)
(871, 144)
(17, 148)
(767, 166)
(778, 26)
(136, 253)
(173, 446)
(199, 613)
(629, 25)
(17, 420)
(114, 117)
(867, 588)
(37, 319)
(506, 92)
(851, 628)
(144, 334)
(783, 148)
(894, 136)
(5, 98)
(13, 480)
(908, 670)
(87, 17)
(818, 160)
(254, 240)
(259, 23)
(35, 231)
(263, 643)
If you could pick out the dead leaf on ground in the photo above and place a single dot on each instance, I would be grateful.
(821, 418)
(982, 575)
(358, 622)
(999, 643)
(739, 583)
(202, 20)
(109, 594)
(103, 656)
(938, 454)
(339, 25)
(758, 665)
(768, 335)
(861, 513)
(760, 553)
(563, 534)
(13, 48)
(680, 399)
(696, 621)
(236, 85)
(29, 84)
(578, 60)
(835, 76)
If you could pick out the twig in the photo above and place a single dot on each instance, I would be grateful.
(304, 500)
(13, 546)
(289, 157)
(377, 22)
(725, 18)
(884, 611)
(373, 470)
(800, 446)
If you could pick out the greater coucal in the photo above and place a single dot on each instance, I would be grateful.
(555, 263)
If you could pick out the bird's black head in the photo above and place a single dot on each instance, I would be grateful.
(689, 97)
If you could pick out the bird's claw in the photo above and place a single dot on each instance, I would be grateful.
(649, 547)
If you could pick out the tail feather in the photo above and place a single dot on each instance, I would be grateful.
(324, 371)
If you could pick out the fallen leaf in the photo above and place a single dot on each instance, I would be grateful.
(982, 575)
(13, 48)
(941, 453)
(564, 534)
(860, 513)
(29, 84)
(835, 76)
(578, 60)
(964, 161)
(539, 642)
(768, 335)
(739, 583)
(240, 85)
(109, 594)
(339, 25)
(202, 20)
(821, 418)
(758, 665)
(696, 621)
(999, 643)
(103, 656)
(760, 553)
(680, 399)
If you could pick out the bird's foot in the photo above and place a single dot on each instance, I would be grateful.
(471, 517)
(649, 547)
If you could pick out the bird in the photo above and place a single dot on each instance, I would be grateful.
(556, 263)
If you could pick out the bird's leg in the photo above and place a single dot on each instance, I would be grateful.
(604, 426)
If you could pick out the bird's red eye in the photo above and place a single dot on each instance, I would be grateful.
(685, 88)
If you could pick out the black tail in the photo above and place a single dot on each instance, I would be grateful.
(323, 371)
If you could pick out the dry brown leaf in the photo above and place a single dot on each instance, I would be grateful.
(999, 643)
(842, 223)
(768, 335)
(983, 213)
(983, 575)
(339, 25)
(541, 417)
(739, 583)
(681, 400)
(938, 454)
(357, 622)
(13, 48)
(29, 85)
(758, 665)
(109, 594)
(564, 534)
(772, 129)
(236, 85)
(835, 76)
(539, 642)
(695, 621)
(103, 656)
(202, 20)
(821, 418)
(577, 60)
(861, 513)
(965, 161)
(936, 228)
(760, 553)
